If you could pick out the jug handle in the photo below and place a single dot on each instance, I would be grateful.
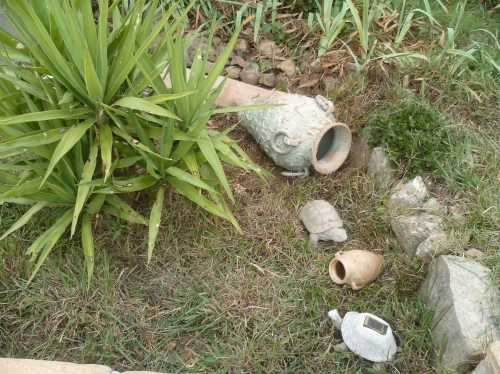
(290, 143)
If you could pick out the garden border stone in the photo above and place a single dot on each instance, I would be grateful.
(459, 292)
(28, 366)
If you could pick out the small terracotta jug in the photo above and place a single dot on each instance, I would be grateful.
(355, 268)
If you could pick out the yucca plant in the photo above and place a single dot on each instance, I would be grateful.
(89, 101)
(330, 25)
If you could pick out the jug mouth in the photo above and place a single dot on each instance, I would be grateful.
(337, 271)
(331, 148)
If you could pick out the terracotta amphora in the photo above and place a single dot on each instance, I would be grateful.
(355, 268)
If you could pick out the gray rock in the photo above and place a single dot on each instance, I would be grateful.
(201, 44)
(288, 67)
(484, 367)
(268, 80)
(238, 60)
(493, 355)
(360, 153)
(380, 366)
(219, 47)
(316, 66)
(459, 292)
(473, 253)
(191, 56)
(196, 43)
(233, 72)
(191, 51)
(350, 66)
(269, 48)
(381, 169)
(413, 230)
(340, 347)
(329, 83)
(407, 195)
(209, 67)
(213, 55)
(281, 79)
(241, 45)
(188, 59)
(6, 25)
(433, 206)
(303, 66)
(433, 246)
(308, 81)
(216, 41)
(250, 76)
(456, 210)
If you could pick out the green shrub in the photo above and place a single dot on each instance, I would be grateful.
(415, 137)
(89, 101)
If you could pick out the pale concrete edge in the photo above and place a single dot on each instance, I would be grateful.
(28, 366)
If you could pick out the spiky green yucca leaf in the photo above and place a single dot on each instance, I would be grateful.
(78, 105)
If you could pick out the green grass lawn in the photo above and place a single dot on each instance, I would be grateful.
(215, 300)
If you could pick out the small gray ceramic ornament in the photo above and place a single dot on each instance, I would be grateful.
(322, 221)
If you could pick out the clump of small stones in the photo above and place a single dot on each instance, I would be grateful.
(268, 64)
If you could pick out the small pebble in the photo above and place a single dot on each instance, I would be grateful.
(241, 45)
(474, 253)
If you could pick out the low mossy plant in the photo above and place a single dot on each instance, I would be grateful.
(414, 136)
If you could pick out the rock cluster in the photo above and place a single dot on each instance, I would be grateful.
(267, 66)
(417, 225)
(458, 290)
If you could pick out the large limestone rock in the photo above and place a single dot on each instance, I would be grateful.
(493, 356)
(381, 169)
(484, 367)
(459, 292)
(407, 195)
(413, 230)
(22, 366)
